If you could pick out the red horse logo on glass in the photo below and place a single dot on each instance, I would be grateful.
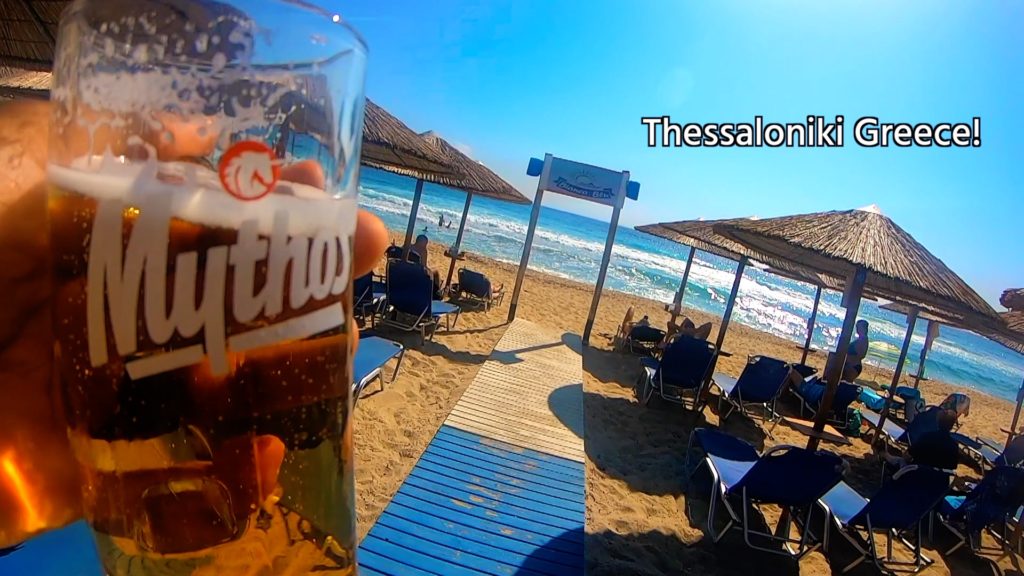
(248, 170)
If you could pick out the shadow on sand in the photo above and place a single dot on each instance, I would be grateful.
(654, 554)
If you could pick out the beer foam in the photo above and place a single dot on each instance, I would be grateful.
(198, 196)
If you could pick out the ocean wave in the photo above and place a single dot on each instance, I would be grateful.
(651, 268)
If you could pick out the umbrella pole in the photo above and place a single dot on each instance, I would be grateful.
(677, 302)
(810, 326)
(411, 228)
(929, 339)
(851, 299)
(1016, 417)
(729, 305)
(458, 240)
(911, 322)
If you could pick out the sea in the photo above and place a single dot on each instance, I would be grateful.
(570, 246)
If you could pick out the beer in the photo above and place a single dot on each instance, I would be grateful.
(203, 344)
(202, 307)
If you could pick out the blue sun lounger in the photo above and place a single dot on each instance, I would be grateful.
(682, 370)
(892, 431)
(373, 354)
(789, 477)
(410, 300)
(368, 296)
(761, 383)
(989, 505)
(987, 452)
(714, 442)
(900, 505)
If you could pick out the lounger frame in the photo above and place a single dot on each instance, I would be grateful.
(805, 544)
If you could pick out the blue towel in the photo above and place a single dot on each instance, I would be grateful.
(872, 400)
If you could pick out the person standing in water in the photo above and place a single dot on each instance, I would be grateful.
(856, 353)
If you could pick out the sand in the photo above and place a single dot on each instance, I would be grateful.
(641, 516)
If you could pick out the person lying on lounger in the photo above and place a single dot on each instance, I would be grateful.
(936, 449)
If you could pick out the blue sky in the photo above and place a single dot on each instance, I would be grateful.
(510, 79)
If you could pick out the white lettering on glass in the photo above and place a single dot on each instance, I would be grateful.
(118, 274)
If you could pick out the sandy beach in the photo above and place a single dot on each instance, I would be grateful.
(641, 518)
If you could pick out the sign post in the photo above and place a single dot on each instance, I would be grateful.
(582, 181)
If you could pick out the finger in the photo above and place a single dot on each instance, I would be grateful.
(308, 172)
(370, 242)
(269, 456)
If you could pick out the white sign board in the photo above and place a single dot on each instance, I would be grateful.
(584, 181)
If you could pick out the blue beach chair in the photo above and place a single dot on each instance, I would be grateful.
(476, 288)
(990, 454)
(410, 300)
(789, 477)
(901, 505)
(811, 391)
(682, 370)
(373, 354)
(891, 432)
(714, 442)
(368, 296)
(761, 383)
(989, 505)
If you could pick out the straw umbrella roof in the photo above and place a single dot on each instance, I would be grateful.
(1011, 333)
(27, 32)
(388, 144)
(698, 234)
(838, 242)
(702, 235)
(1013, 298)
(928, 313)
(479, 179)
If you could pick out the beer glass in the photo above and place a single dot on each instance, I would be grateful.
(203, 178)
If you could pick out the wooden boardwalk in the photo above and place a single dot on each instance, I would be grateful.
(500, 489)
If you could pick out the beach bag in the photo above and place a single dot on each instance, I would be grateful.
(854, 422)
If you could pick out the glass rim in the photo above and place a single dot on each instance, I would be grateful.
(359, 43)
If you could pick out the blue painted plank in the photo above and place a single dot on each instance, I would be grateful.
(560, 490)
(478, 494)
(526, 538)
(469, 553)
(485, 481)
(538, 476)
(562, 466)
(414, 556)
(374, 564)
(511, 459)
(419, 499)
(532, 515)
(552, 560)
(455, 552)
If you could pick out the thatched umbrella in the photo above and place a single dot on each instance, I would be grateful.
(701, 235)
(479, 180)
(869, 250)
(1013, 299)
(390, 145)
(28, 29)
